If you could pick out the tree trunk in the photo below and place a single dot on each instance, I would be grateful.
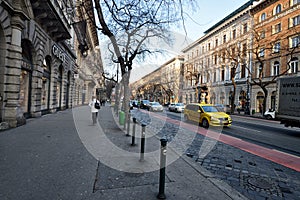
(126, 98)
(233, 96)
(265, 100)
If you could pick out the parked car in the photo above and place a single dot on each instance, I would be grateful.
(206, 115)
(177, 107)
(155, 106)
(224, 108)
(134, 103)
(145, 104)
(171, 106)
(269, 114)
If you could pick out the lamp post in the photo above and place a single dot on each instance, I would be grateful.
(247, 106)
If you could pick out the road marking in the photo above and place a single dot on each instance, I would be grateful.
(246, 128)
(279, 157)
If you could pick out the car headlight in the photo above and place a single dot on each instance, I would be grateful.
(214, 119)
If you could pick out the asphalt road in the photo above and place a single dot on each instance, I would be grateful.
(267, 133)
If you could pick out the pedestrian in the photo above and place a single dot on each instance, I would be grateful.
(95, 106)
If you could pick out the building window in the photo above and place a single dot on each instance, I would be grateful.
(223, 74)
(295, 41)
(208, 46)
(243, 71)
(234, 34)
(216, 42)
(263, 17)
(261, 52)
(215, 77)
(277, 28)
(224, 38)
(296, 20)
(296, 2)
(294, 65)
(276, 47)
(275, 69)
(244, 50)
(216, 59)
(262, 35)
(277, 9)
(245, 28)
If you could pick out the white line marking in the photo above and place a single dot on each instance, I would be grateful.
(246, 128)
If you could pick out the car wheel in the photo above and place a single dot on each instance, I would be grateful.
(205, 123)
(268, 117)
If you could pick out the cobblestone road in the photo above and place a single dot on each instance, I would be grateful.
(253, 176)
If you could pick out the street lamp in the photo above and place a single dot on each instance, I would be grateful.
(247, 105)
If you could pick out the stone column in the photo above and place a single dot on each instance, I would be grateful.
(13, 113)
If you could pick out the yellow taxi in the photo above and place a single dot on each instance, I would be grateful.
(206, 115)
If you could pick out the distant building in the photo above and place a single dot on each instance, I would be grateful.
(162, 85)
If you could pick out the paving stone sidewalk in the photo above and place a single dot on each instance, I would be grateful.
(62, 156)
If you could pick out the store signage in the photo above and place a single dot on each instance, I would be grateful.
(58, 53)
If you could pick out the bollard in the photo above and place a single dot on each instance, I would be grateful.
(162, 172)
(142, 143)
(133, 132)
(128, 125)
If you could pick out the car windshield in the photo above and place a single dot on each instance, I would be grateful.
(209, 109)
(179, 104)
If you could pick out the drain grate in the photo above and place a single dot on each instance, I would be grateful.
(261, 184)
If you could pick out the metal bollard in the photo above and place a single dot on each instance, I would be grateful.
(133, 132)
(142, 143)
(128, 125)
(162, 172)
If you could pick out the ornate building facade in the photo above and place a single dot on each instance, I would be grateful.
(276, 50)
(37, 59)
(212, 60)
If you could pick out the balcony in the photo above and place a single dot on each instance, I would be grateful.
(49, 14)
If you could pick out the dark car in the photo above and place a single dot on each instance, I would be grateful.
(145, 104)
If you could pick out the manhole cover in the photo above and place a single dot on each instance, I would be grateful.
(260, 183)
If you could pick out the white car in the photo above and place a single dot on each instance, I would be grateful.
(171, 106)
(269, 114)
(155, 106)
(177, 107)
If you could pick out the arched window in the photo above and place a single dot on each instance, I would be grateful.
(277, 9)
(294, 65)
(263, 17)
(275, 69)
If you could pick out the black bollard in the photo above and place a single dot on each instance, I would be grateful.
(133, 132)
(142, 143)
(162, 172)
(128, 125)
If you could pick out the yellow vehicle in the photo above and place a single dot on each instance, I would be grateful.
(206, 115)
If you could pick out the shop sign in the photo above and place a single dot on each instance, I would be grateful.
(58, 53)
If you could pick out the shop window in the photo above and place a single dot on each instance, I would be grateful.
(45, 84)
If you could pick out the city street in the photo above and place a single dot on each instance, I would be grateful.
(258, 157)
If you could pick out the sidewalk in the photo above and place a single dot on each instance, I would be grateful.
(62, 156)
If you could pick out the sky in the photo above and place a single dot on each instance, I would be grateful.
(207, 14)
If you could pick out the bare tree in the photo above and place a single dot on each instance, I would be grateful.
(264, 51)
(130, 24)
(236, 56)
